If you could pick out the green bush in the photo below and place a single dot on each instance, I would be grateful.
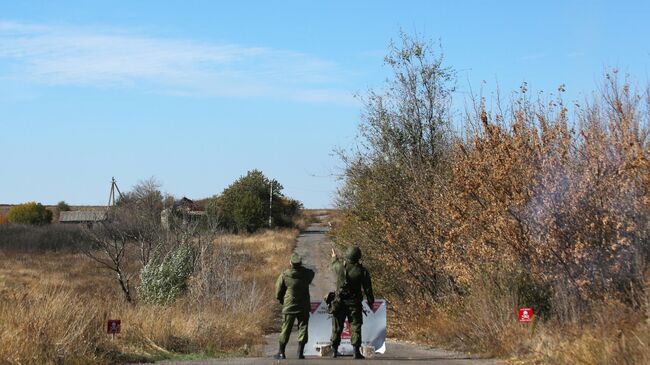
(29, 213)
(244, 205)
(165, 279)
(62, 206)
(248, 213)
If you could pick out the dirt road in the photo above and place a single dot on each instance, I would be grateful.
(314, 246)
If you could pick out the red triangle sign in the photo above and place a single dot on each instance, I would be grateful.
(375, 306)
(314, 306)
(346, 334)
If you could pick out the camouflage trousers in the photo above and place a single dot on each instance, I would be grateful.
(287, 326)
(354, 313)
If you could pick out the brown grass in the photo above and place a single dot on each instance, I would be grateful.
(611, 333)
(54, 307)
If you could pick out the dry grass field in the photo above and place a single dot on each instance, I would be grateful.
(54, 307)
(484, 323)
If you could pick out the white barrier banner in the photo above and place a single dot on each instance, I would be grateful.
(373, 330)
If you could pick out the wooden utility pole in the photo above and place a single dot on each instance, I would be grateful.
(111, 194)
(271, 205)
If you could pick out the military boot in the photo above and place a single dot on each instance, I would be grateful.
(357, 353)
(280, 355)
(301, 350)
(335, 352)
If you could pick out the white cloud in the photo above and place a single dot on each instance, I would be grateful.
(112, 58)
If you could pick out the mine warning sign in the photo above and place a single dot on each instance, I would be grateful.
(113, 326)
(373, 329)
(525, 314)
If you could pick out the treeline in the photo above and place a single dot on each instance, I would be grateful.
(532, 203)
(243, 207)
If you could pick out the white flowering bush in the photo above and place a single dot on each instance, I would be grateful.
(165, 278)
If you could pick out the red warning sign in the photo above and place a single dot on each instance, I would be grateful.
(314, 306)
(525, 314)
(346, 334)
(113, 326)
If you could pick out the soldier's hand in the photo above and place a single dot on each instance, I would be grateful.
(333, 253)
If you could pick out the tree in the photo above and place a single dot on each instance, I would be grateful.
(248, 212)
(139, 211)
(62, 206)
(145, 198)
(109, 241)
(29, 213)
(244, 205)
(396, 180)
(134, 220)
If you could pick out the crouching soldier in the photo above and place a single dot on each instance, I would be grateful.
(351, 277)
(292, 290)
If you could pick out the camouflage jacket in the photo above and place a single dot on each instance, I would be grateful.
(292, 289)
(351, 277)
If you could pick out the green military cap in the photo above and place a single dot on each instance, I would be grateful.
(296, 259)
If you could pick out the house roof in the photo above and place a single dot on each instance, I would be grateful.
(184, 203)
(83, 216)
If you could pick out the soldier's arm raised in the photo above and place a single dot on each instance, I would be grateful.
(335, 260)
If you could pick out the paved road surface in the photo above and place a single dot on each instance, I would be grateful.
(314, 246)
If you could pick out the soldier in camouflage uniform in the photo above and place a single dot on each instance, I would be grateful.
(351, 277)
(292, 290)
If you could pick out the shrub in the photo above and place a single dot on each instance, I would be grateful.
(550, 207)
(244, 205)
(51, 237)
(165, 279)
(29, 213)
(62, 206)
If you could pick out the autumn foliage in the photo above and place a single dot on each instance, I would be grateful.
(533, 203)
(29, 213)
(565, 198)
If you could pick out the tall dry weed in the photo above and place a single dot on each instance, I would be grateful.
(50, 326)
(54, 306)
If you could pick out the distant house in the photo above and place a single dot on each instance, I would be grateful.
(184, 209)
(185, 205)
(82, 216)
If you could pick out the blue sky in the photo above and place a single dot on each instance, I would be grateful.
(196, 93)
